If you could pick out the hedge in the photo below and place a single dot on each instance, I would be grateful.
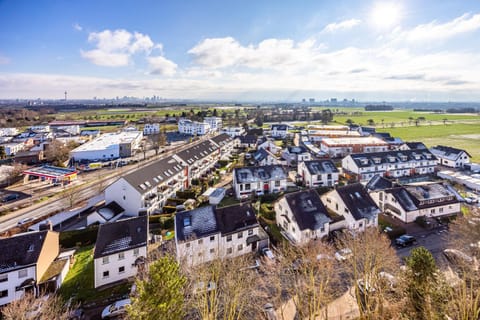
(75, 238)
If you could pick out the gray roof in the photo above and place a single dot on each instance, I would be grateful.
(146, 178)
(412, 198)
(358, 201)
(121, 236)
(416, 145)
(320, 166)
(221, 139)
(197, 152)
(195, 224)
(394, 156)
(235, 218)
(21, 250)
(250, 139)
(279, 127)
(447, 152)
(259, 174)
(260, 155)
(297, 149)
(377, 182)
(308, 209)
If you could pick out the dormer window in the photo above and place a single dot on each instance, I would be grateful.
(31, 248)
(187, 221)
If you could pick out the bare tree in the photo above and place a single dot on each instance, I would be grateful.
(41, 308)
(57, 152)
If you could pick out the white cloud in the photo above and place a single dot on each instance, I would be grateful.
(77, 27)
(342, 25)
(162, 66)
(105, 58)
(438, 31)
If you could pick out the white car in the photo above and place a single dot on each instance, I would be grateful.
(115, 309)
(343, 254)
(268, 253)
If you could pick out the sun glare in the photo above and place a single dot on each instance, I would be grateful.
(386, 14)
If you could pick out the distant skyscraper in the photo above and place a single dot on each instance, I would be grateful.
(65, 95)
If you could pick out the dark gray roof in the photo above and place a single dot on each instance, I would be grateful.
(416, 145)
(320, 166)
(358, 201)
(249, 139)
(146, 178)
(308, 209)
(21, 250)
(258, 174)
(379, 183)
(412, 198)
(260, 155)
(197, 223)
(110, 210)
(221, 139)
(297, 149)
(197, 152)
(394, 156)
(447, 152)
(121, 235)
(235, 218)
(279, 127)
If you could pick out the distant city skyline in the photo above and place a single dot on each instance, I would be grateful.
(406, 50)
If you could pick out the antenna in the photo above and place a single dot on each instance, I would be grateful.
(65, 95)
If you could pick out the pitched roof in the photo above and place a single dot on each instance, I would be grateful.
(221, 139)
(320, 166)
(416, 145)
(146, 178)
(412, 198)
(21, 250)
(297, 149)
(358, 201)
(121, 235)
(196, 223)
(259, 174)
(235, 218)
(447, 152)
(393, 156)
(250, 139)
(260, 155)
(377, 182)
(197, 152)
(308, 209)
(279, 127)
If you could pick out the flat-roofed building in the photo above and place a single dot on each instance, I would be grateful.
(341, 147)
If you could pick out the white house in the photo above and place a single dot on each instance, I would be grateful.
(269, 145)
(302, 216)
(214, 122)
(151, 128)
(248, 141)
(120, 250)
(279, 130)
(208, 233)
(233, 131)
(318, 173)
(193, 127)
(40, 128)
(263, 157)
(13, 148)
(24, 261)
(295, 154)
(407, 203)
(259, 180)
(451, 157)
(8, 132)
(396, 163)
(355, 204)
(226, 144)
(412, 145)
(147, 189)
(200, 158)
(341, 147)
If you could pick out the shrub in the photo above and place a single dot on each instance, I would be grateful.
(169, 223)
(69, 239)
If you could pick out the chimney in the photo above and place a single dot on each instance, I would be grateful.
(47, 225)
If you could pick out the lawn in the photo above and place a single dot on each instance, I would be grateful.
(79, 281)
(463, 136)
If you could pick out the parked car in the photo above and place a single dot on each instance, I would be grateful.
(343, 254)
(11, 197)
(268, 253)
(115, 309)
(405, 240)
(24, 221)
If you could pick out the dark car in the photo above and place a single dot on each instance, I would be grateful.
(405, 240)
(10, 197)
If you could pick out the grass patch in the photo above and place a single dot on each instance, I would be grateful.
(79, 283)
(228, 201)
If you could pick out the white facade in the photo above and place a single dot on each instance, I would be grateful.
(341, 147)
(118, 266)
(192, 127)
(214, 122)
(9, 281)
(233, 131)
(12, 148)
(73, 129)
(151, 128)
(279, 131)
(327, 179)
(8, 132)
(40, 128)
(450, 157)
(295, 156)
(252, 180)
(286, 220)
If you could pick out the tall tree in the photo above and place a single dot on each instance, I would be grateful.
(3, 154)
(160, 295)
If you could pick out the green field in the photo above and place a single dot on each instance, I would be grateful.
(463, 136)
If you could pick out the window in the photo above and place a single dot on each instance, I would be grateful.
(212, 238)
(121, 270)
(250, 232)
(247, 186)
(22, 273)
(360, 225)
(322, 229)
(212, 250)
(121, 256)
(187, 244)
(240, 247)
(336, 206)
(229, 238)
(105, 260)
(240, 235)
(229, 250)
(106, 274)
(3, 277)
(277, 183)
(432, 211)
(3, 293)
(136, 252)
(440, 210)
(200, 241)
(200, 254)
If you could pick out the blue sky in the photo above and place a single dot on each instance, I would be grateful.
(243, 50)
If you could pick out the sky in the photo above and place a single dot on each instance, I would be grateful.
(261, 50)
